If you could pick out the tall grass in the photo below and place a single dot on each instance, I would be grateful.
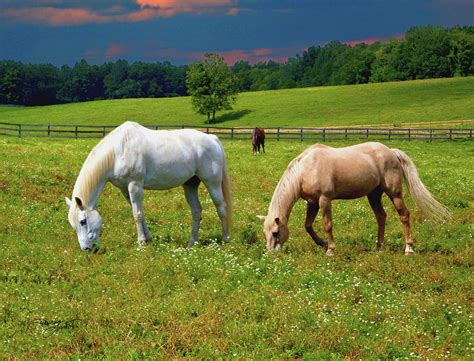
(233, 300)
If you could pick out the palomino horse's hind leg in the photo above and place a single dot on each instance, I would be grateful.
(311, 213)
(405, 219)
(217, 196)
(191, 194)
(148, 235)
(375, 201)
(325, 206)
(135, 190)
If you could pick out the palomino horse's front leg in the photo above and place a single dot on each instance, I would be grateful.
(325, 206)
(311, 213)
(375, 201)
(135, 191)
(405, 219)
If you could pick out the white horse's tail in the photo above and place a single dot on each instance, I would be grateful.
(422, 196)
(226, 191)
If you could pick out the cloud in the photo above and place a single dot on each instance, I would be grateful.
(115, 50)
(231, 57)
(370, 41)
(67, 12)
(53, 16)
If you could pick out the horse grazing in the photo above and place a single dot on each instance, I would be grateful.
(321, 174)
(134, 158)
(258, 139)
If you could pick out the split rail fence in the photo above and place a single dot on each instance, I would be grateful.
(244, 133)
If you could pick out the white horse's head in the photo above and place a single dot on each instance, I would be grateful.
(86, 222)
(275, 231)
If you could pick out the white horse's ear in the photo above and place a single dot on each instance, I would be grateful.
(68, 202)
(79, 203)
(262, 218)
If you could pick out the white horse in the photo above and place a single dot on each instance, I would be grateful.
(134, 158)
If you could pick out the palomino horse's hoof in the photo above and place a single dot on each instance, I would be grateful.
(330, 253)
(409, 253)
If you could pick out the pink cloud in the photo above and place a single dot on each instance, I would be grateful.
(148, 9)
(370, 41)
(115, 50)
(53, 16)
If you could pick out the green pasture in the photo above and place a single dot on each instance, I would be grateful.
(394, 104)
(235, 300)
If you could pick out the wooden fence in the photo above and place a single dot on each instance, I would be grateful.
(242, 133)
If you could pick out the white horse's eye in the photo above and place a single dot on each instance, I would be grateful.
(83, 222)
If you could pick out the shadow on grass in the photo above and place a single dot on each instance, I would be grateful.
(235, 115)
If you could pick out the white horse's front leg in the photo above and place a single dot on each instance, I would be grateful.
(135, 191)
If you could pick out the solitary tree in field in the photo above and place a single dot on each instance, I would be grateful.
(211, 86)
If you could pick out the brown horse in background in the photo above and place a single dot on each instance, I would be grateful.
(322, 174)
(258, 139)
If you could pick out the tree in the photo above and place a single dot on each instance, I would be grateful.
(211, 86)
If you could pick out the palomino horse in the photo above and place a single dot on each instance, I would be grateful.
(321, 174)
(134, 158)
(258, 139)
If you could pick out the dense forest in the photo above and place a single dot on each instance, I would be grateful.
(424, 52)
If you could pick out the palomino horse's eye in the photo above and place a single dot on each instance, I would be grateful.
(276, 234)
(83, 222)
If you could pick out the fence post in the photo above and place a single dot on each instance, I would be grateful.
(431, 135)
(345, 134)
(278, 133)
(76, 131)
(207, 130)
(367, 133)
(390, 134)
(470, 133)
(232, 133)
(19, 130)
(103, 132)
(49, 130)
(324, 134)
(301, 134)
(450, 134)
(409, 134)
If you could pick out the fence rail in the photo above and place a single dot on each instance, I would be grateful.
(244, 133)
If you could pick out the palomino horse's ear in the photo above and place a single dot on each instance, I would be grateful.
(277, 220)
(79, 203)
(68, 202)
(262, 218)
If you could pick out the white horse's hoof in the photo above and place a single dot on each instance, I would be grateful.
(409, 253)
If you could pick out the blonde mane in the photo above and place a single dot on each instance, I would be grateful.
(287, 191)
(99, 162)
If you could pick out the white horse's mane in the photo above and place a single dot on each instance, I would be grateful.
(99, 162)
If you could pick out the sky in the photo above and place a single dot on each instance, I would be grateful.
(181, 31)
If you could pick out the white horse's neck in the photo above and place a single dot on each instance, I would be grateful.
(287, 192)
(94, 175)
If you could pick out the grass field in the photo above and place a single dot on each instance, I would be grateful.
(393, 104)
(233, 300)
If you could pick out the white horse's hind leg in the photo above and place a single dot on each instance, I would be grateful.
(191, 194)
(217, 196)
(135, 190)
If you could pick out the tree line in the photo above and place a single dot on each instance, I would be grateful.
(424, 52)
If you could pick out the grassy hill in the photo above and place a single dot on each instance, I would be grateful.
(399, 103)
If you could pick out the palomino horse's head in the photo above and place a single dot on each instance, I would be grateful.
(276, 232)
(86, 223)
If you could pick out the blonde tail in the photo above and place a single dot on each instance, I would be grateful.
(422, 196)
